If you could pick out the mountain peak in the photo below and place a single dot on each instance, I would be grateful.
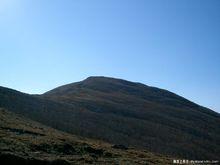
(114, 87)
(97, 77)
(107, 79)
(124, 112)
(101, 81)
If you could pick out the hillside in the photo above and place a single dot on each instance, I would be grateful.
(123, 112)
(25, 141)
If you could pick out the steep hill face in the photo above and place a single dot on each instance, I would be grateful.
(23, 141)
(111, 87)
(143, 116)
(123, 112)
(122, 92)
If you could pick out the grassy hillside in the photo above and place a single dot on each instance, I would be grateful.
(144, 116)
(123, 112)
(25, 141)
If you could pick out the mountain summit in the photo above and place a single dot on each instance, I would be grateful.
(112, 86)
(125, 113)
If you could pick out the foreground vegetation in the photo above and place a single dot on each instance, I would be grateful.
(25, 141)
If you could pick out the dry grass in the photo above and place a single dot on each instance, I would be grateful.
(30, 140)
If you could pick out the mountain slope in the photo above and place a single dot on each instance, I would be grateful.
(144, 116)
(123, 112)
(24, 141)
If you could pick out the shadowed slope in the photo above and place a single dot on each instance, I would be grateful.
(23, 141)
(127, 113)
(144, 116)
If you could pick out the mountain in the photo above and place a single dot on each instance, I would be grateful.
(27, 142)
(126, 113)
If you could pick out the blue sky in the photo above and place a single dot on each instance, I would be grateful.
(169, 44)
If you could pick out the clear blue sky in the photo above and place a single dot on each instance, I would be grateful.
(171, 44)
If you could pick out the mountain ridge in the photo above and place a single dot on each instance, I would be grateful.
(123, 112)
(113, 80)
